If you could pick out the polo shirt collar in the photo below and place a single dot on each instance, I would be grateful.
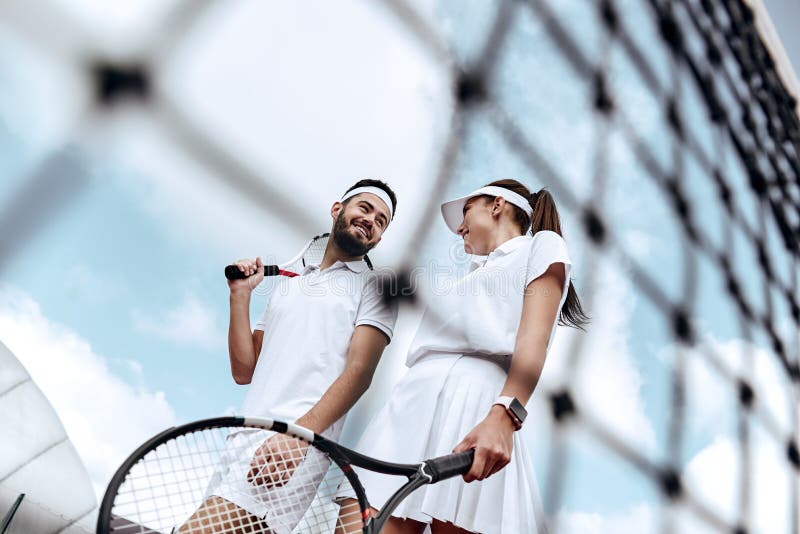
(356, 266)
(508, 246)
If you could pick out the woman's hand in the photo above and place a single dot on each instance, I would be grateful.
(493, 442)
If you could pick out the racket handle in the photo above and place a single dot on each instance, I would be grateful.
(450, 465)
(232, 272)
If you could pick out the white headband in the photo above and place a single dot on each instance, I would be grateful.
(453, 210)
(377, 191)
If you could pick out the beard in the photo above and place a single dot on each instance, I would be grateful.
(347, 243)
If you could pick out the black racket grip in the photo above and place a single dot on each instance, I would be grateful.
(232, 272)
(449, 465)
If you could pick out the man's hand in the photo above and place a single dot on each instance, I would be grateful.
(493, 442)
(275, 460)
(254, 273)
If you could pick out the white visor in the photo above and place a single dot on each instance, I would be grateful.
(377, 191)
(453, 210)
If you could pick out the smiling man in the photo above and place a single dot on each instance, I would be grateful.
(308, 360)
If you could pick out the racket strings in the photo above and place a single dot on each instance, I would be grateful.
(350, 519)
(315, 252)
(222, 516)
(215, 480)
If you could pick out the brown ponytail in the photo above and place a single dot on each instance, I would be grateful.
(545, 217)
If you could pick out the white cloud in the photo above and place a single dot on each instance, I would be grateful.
(191, 323)
(639, 519)
(715, 472)
(113, 26)
(309, 123)
(606, 382)
(714, 478)
(712, 399)
(351, 96)
(714, 475)
(105, 417)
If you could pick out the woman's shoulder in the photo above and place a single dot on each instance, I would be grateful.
(547, 234)
(547, 238)
(549, 244)
(547, 247)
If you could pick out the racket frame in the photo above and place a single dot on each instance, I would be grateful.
(418, 474)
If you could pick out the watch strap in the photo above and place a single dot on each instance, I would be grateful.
(515, 410)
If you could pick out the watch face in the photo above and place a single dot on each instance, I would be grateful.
(518, 409)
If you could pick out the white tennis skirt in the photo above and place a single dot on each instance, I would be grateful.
(430, 410)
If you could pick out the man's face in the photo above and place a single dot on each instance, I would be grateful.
(359, 223)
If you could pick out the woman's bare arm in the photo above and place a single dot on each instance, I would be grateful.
(492, 438)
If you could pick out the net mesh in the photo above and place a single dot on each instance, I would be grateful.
(674, 109)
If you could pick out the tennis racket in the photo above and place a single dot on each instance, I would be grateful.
(311, 254)
(185, 480)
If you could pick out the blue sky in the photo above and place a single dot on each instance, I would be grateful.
(132, 265)
(112, 256)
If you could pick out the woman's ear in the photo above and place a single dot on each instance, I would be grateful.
(497, 206)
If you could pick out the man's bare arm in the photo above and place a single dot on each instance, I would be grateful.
(363, 355)
(244, 345)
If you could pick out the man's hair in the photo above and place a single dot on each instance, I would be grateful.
(375, 183)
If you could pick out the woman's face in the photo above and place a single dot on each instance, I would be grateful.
(477, 226)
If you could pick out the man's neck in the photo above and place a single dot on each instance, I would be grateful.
(334, 254)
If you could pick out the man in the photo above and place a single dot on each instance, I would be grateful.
(308, 360)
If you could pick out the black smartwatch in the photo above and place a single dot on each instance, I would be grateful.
(515, 410)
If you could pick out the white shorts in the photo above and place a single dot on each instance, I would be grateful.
(283, 507)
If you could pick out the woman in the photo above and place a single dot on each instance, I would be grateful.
(473, 365)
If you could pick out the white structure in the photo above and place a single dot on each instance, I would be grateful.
(37, 459)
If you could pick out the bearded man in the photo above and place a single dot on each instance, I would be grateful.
(308, 360)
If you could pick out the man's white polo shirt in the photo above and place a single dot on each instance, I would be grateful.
(307, 324)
